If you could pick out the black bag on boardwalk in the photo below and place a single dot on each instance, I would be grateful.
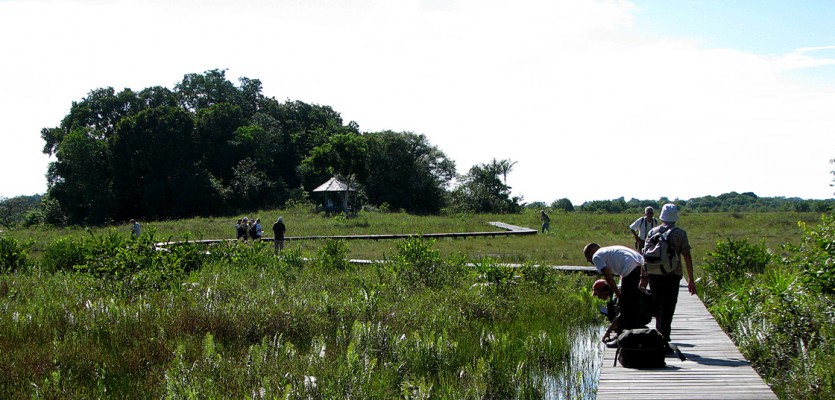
(641, 348)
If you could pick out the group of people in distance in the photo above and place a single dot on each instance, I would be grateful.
(246, 229)
(635, 281)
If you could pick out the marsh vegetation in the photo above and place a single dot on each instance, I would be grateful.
(93, 313)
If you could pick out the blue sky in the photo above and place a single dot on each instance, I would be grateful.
(765, 27)
(585, 95)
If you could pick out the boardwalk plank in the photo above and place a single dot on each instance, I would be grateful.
(714, 368)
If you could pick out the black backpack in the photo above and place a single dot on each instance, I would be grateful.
(660, 257)
(641, 348)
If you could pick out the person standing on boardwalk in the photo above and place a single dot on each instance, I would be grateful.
(546, 221)
(278, 230)
(135, 229)
(665, 287)
(239, 229)
(641, 226)
(626, 263)
(259, 229)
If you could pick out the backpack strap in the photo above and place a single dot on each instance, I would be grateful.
(617, 352)
(676, 349)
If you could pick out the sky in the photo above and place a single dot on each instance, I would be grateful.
(592, 99)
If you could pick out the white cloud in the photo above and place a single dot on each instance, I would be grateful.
(561, 87)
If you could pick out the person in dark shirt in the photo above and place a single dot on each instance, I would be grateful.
(279, 229)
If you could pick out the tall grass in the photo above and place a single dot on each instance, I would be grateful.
(562, 246)
(247, 324)
(92, 313)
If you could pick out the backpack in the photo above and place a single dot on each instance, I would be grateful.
(660, 257)
(641, 348)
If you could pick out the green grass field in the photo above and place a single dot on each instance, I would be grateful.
(238, 322)
(562, 246)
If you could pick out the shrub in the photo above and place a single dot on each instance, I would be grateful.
(815, 256)
(732, 259)
(63, 255)
(333, 256)
(13, 255)
(417, 263)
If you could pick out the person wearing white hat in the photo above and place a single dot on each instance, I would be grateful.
(665, 287)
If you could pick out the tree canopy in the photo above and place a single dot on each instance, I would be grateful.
(211, 147)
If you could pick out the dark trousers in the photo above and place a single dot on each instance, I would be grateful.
(628, 301)
(665, 295)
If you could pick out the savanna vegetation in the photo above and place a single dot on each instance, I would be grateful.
(780, 309)
(94, 313)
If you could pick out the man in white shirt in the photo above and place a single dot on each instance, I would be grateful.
(626, 263)
(641, 226)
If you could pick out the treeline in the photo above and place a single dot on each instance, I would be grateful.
(728, 202)
(209, 147)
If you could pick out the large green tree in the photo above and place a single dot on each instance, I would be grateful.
(483, 189)
(157, 168)
(209, 146)
(406, 171)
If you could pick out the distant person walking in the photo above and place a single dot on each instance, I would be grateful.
(626, 263)
(279, 229)
(665, 287)
(135, 229)
(641, 226)
(546, 221)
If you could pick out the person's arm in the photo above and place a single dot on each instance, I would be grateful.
(633, 228)
(610, 280)
(613, 327)
(688, 263)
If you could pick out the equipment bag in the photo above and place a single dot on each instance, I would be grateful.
(660, 257)
(641, 348)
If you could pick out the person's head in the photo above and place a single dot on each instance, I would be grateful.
(257, 220)
(589, 250)
(239, 220)
(601, 290)
(280, 219)
(542, 211)
(133, 221)
(669, 213)
(649, 211)
(246, 219)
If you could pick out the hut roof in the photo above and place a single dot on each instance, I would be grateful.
(334, 185)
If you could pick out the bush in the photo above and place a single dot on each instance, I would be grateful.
(417, 263)
(732, 259)
(63, 255)
(333, 256)
(815, 256)
(13, 255)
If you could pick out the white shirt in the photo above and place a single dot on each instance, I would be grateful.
(621, 260)
(642, 226)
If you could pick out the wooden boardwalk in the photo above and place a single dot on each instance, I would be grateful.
(507, 230)
(714, 368)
